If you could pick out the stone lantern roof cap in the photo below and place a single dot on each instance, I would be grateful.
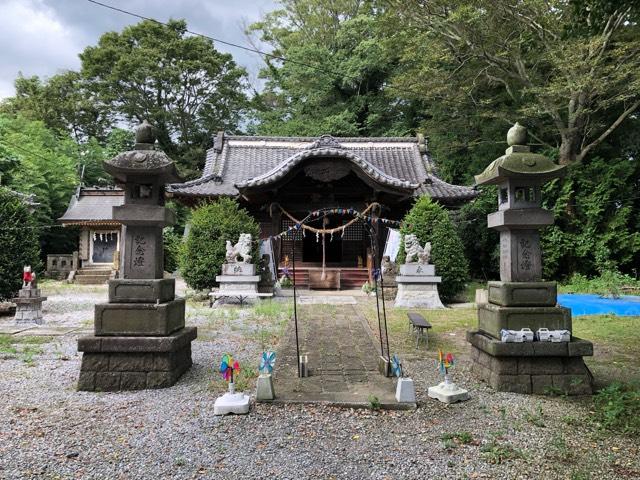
(519, 162)
(144, 160)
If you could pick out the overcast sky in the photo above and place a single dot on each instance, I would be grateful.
(44, 37)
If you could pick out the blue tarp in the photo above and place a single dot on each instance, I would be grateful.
(587, 304)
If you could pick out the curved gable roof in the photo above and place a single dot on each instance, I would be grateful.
(334, 151)
(234, 161)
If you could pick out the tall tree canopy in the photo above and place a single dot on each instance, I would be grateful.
(571, 68)
(180, 83)
(334, 78)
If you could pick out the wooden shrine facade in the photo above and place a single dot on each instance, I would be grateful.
(281, 179)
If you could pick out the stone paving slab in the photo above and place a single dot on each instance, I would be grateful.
(46, 331)
(342, 360)
(13, 329)
(326, 300)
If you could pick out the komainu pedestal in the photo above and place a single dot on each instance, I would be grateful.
(521, 299)
(417, 282)
(29, 306)
(140, 338)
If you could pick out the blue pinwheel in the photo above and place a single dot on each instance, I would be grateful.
(267, 361)
(396, 366)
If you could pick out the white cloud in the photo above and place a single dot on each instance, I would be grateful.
(34, 42)
(44, 37)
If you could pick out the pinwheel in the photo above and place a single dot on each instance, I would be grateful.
(267, 362)
(396, 366)
(445, 362)
(228, 366)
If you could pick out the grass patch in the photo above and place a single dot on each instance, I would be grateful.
(617, 408)
(497, 453)
(24, 348)
(535, 417)
(453, 440)
(617, 330)
(444, 322)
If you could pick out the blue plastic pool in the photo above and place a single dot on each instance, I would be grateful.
(587, 304)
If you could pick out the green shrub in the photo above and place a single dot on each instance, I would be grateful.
(617, 408)
(172, 243)
(431, 223)
(481, 244)
(19, 245)
(609, 283)
(204, 250)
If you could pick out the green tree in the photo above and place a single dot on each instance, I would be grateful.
(19, 244)
(481, 244)
(336, 75)
(603, 234)
(63, 102)
(180, 83)
(571, 68)
(429, 222)
(204, 250)
(45, 165)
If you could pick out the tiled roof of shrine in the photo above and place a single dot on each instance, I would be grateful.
(93, 205)
(240, 162)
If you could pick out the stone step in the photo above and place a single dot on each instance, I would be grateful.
(94, 271)
(92, 279)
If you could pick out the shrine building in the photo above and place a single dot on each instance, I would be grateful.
(279, 180)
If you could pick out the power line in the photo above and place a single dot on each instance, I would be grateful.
(225, 42)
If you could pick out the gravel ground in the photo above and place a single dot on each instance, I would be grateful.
(49, 430)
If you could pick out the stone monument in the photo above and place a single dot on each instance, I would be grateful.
(140, 339)
(417, 283)
(29, 301)
(521, 299)
(238, 279)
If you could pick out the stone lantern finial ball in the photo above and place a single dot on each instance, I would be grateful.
(144, 133)
(517, 135)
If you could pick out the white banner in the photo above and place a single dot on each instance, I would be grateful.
(392, 246)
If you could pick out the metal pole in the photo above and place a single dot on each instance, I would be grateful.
(373, 253)
(295, 299)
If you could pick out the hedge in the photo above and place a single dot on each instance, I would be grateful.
(203, 252)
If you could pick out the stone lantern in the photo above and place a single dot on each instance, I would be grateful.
(521, 299)
(140, 339)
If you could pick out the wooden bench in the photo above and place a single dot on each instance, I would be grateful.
(419, 325)
(240, 295)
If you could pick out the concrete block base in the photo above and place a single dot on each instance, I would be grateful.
(405, 391)
(134, 363)
(448, 393)
(139, 319)
(237, 403)
(541, 372)
(493, 318)
(264, 388)
(417, 295)
(523, 294)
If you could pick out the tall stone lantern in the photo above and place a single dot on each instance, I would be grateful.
(140, 338)
(521, 299)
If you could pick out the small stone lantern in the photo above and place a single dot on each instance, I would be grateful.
(140, 336)
(521, 300)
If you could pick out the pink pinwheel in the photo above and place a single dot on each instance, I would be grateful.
(228, 366)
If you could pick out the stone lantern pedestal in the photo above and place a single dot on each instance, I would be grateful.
(521, 299)
(140, 338)
(29, 306)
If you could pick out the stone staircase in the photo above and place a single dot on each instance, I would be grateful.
(349, 277)
(93, 275)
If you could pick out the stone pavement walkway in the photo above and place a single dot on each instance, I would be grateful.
(342, 359)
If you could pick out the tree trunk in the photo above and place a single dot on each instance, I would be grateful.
(569, 146)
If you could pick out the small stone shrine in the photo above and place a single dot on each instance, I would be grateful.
(140, 339)
(417, 283)
(239, 279)
(29, 301)
(521, 299)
